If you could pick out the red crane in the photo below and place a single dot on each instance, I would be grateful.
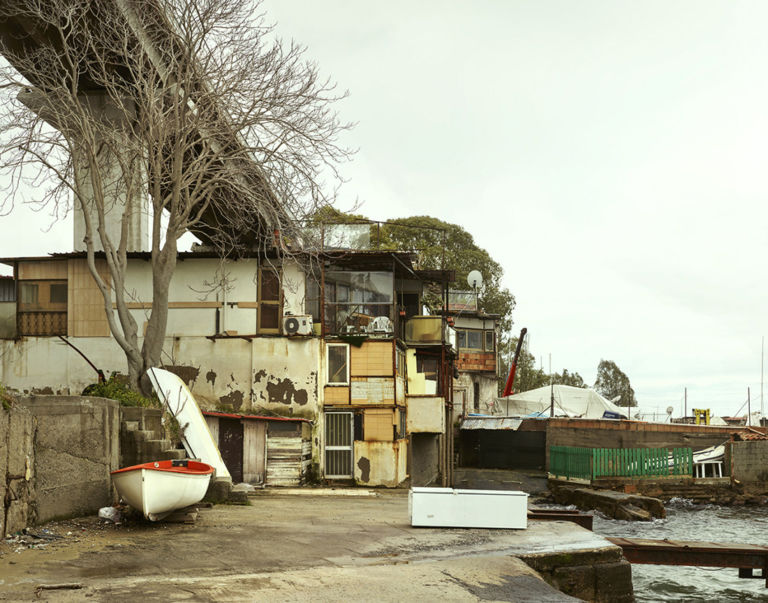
(513, 366)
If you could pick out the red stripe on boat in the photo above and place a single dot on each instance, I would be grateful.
(192, 467)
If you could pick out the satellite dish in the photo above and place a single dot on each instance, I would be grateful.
(475, 279)
(670, 410)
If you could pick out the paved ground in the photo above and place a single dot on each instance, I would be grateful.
(290, 548)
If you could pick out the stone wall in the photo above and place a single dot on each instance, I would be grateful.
(17, 483)
(76, 447)
(749, 461)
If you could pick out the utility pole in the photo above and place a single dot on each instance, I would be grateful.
(762, 365)
(551, 389)
(749, 410)
(685, 412)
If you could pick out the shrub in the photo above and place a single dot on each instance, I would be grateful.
(115, 388)
(6, 399)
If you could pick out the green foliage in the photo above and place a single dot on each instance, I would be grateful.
(566, 378)
(611, 382)
(6, 399)
(116, 388)
(442, 245)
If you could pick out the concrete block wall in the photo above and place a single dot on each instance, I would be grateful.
(76, 448)
(17, 478)
(749, 461)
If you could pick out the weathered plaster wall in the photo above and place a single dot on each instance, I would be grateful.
(750, 461)
(426, 414)
(488, 392)
(17, 478)
(76, 447)
(285, 375)
(381, 463)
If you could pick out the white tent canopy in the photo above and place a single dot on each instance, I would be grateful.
(569, 402)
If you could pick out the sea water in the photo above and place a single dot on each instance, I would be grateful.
(687, 521)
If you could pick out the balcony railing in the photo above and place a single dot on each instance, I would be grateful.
(42, 324)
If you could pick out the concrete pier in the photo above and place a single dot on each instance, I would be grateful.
(324, 547)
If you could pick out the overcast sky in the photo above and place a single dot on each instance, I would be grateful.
(610, 155)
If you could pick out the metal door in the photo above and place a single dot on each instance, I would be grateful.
(339, 442)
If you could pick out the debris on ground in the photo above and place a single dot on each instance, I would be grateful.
(111, 514)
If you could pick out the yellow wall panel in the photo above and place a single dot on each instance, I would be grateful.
(377, 424)
(43, 270)
(85, 316)
(373, 358)
(336, 395)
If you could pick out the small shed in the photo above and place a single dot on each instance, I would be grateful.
(272, 451)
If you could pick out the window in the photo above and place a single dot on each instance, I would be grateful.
(475, 340)
(42, 308)
(337, 357)
(312, 301)
(400, 362)
(269, 300)
(489, 341)
(354, 299)
(29, 293)
(58, 293)
(470, 339)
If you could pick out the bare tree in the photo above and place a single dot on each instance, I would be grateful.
(186, 110)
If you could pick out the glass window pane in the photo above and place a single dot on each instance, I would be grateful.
(475, 340)
(489, 341)
(59, 293)
(337, 364)
(28, 293)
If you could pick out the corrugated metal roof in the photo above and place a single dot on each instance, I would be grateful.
(511, 423)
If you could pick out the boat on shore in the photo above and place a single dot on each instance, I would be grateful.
(159, 488)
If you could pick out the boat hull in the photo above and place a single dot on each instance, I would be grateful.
(159, 488)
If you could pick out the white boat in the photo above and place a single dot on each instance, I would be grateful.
(159, 488)
(195, 435)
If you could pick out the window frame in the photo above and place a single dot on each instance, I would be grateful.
(328, 381)
(272, 303)
(484, 334)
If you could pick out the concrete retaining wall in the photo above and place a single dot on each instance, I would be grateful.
(76, 447)
(17, 470)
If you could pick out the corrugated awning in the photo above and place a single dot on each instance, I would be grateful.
(496, 423)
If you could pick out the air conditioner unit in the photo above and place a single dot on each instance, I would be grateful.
(297, 325)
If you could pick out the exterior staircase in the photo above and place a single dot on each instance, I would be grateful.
(142, 437)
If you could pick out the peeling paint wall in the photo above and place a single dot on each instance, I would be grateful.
(381, 463)
(277, 375)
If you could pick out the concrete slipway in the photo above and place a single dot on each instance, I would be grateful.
(302, 547)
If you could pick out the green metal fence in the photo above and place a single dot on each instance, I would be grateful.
(593, 463)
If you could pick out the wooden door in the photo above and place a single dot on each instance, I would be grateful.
(231, 447)
(254, 451)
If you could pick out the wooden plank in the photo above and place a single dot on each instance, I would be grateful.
(254, 451)
(284, 462)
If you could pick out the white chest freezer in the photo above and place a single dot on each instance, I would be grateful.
(449, 508)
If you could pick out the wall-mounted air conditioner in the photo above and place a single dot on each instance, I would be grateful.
(300, 324)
